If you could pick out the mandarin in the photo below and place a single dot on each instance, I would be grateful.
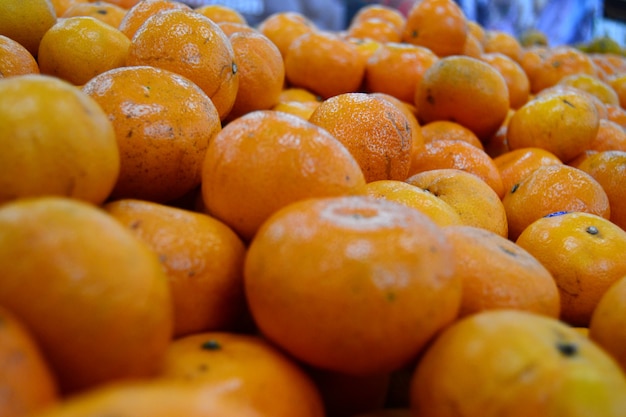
(192, 45)
(140, 12)
(163, 124)
(515, 165)
(94, 297)
(267, 159)
(26, 22)
(556, 63)
(105, 11)
(15, 59)
(360, 260)
(26, 379)
(549, 189)
(516, 79)
(583, 252)
(448, 130)
(610, 137)
(56, 140)
(375, 131)
(516, 363)
(284, 27)
(464, 90)
(203, 259)
(252, 371)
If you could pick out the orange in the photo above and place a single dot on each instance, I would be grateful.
(583, 252)
(102, 10)
(397, 61)
(516, 363)
(562, 122)
(412, 196)
(477, 30)
(140, 12)
(472, 198)
(55, 140)
(375, 28)
(439, 25)
(163, 124)
(192, 45)
(203, 259)
(221, 13)
(230, 28)
(26, 22)
(382, 263)
(516, 79)
(298, 94)
(324, 63)
(77, 49)
(502, 42)
(365, 47)
(473, 47)
(247, 369)
(616, 114)
(610, 137)
(499, 274)
(126, 4)
(448, 130)
(374, 130)
(60, 6)
(26, 380)
(593, 85)
(497, 144)
(284, 27)
(550, 189)
(156, 397)
(618, 84)
(557, 63)
(15, 59)
(464, 90)
(458, 154)
(267, 159)
(532, 59)
(73, 273)
(607, 321)
(609, 169)
(302, 109)
(380, 11)
(600, 106)
(515, 165)
(261, 73)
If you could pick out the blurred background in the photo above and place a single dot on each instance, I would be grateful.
(562, 21)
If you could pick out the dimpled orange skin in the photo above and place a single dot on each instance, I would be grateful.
(163, 123)
(373, 283)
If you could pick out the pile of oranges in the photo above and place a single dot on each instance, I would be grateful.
(415, 216)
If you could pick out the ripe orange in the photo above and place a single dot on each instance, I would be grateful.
(105, 11)
(261, 73)
(140, 12)
(26, 22)
(607, 321)
(163, 123)
(247, 369)
(55, 140)
(26, 380)
(549, 189)
(221, 13)
(267, 159)
(374, 130)
(284, 27)
(464, 90)
(397, 61)
(382, 263)
(618, 84)
(583, 252)
(473, 199)
(515, 165)
(562, 122)
(473, 47)
(516, 79)
(82, 283)
(498, 274)
(516, 363)
(324, 63)
(556, 63)
(616, 114)
(439, 25)
(412, 196)
(203, 259)
(610, 137)
(374, 28)
(15, 59)
(609, 169)
(380, 11)
(448, 130)
(593, 85)
(502, 42)
(458, 154)
(77, 49)
(156, 397)
(192, 45)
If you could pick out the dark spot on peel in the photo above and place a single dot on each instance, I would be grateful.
(211, 344)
